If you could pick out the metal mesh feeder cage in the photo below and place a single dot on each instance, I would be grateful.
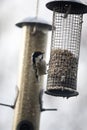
(65, 47)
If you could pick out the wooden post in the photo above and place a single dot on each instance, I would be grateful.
(27, 111)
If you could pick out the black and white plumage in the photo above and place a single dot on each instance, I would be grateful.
(39, 64)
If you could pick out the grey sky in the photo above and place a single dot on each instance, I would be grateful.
(72, 113)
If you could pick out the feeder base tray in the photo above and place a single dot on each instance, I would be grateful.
(65, 92)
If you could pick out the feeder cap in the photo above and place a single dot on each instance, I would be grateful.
(77, 7)
(34, 21)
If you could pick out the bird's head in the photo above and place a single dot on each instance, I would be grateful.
(36, 55)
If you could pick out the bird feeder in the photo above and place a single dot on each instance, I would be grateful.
(65, 47)
(27, 110)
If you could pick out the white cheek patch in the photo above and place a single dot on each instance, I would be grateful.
(40, 57)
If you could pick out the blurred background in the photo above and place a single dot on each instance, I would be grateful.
(72, 112)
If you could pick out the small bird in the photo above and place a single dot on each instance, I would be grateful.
(39, 64)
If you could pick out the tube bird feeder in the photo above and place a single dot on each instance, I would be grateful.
(27, 110)
(65, 47)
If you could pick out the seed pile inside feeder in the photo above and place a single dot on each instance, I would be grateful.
(62, 69)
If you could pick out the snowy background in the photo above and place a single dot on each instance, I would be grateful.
(72, 113)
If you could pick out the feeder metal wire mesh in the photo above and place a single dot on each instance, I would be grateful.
(63, 65)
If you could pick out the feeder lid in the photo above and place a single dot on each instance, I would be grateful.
(77, 7)
(35, 21)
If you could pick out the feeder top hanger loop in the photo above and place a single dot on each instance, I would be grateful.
(37, 8)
